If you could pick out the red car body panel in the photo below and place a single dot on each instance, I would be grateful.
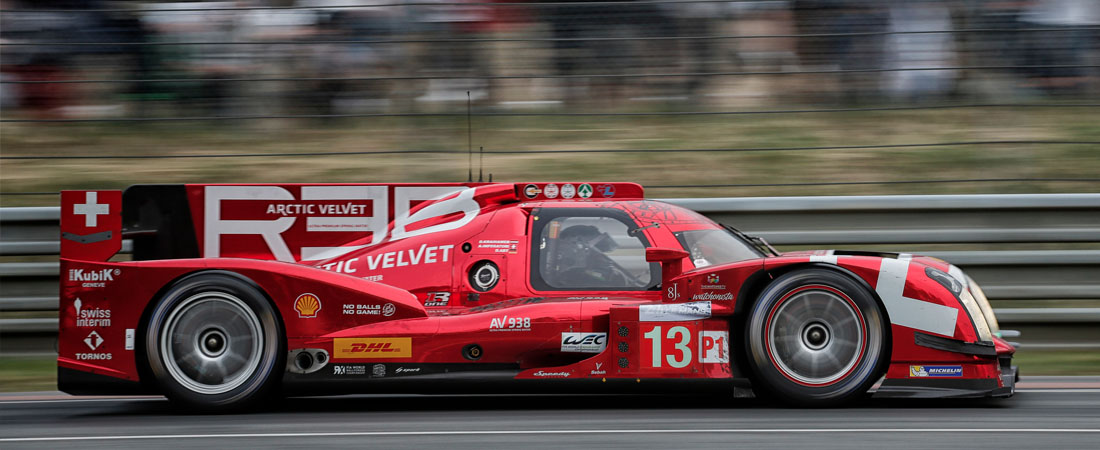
(380, 277)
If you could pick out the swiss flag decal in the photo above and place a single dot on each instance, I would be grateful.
(91, 224)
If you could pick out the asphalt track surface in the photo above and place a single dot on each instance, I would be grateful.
(1046, 413)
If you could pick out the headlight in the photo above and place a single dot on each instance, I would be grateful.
(946, 280)
(983, 303)
(977, 316)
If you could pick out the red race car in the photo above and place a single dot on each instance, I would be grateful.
(240, 293)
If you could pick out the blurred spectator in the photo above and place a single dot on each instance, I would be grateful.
(907, 48)
(202, 58)
(1064, 47)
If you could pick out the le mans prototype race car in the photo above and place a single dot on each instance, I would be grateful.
(240, 293)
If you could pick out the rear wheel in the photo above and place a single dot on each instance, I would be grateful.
(816, 337)
(214, 341)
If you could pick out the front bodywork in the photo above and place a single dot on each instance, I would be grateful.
(378, 290)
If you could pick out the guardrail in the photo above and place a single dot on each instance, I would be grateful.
(809, 222)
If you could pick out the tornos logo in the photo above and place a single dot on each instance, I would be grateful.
(93, 278)
(307, 306)
(583, 342)
(935, 371)
(362, 348)
(93, 341)
(91, 317)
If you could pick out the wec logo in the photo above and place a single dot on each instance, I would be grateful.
(583, 342)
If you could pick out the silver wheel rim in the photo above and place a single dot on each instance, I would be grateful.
(815, 337)
(211, 343)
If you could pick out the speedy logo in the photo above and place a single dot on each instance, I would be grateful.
(307, 306)
(360, 348)
(935, 371)
(583, 342)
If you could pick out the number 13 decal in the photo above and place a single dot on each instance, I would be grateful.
(675, 346)
(680, 337)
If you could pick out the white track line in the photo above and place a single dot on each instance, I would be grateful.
(558, 432)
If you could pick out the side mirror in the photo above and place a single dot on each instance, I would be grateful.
(672, 261)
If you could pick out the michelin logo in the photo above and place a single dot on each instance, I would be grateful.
(935, 371)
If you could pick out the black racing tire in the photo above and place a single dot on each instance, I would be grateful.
(816, 337)
(215, 343)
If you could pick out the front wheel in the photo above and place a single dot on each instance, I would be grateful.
(816, 337)
(214, 342)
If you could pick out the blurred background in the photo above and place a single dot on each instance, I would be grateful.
(691, 98)
(935, 94)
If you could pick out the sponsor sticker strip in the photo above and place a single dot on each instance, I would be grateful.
(674, 312)
(953, 371)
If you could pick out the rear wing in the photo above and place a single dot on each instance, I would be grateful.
(289, 222)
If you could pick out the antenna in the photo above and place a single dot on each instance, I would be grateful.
(469, 140)
(481, 165)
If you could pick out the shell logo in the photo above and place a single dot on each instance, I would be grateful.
(307, 306)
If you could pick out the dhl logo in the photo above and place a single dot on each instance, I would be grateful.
(360, 348)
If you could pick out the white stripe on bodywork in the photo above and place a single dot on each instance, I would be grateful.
(910, 312)
(830, 258)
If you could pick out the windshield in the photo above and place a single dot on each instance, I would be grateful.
(715, 246)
